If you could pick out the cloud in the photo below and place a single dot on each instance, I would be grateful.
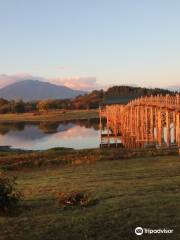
(83, 83)
(5, 79)
(79, 83)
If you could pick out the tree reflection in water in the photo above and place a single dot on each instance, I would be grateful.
(43, 135)
(47, 127)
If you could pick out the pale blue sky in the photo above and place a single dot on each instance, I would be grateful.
(118, 42)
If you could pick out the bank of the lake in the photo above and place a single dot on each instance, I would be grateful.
(14, 159)
(50, 116)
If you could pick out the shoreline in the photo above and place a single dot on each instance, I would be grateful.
(51, 116)
(16, 159)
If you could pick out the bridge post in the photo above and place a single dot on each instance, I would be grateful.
(174, 126)
(137, 123)
(142, 124)
(159, 127)
(130, 121)
(168, 138)
(177, 99)
(156, 124)
(152, 123)
(146, 125)
(115, 129)
(107, 125)
(177, 129)
(100, 125)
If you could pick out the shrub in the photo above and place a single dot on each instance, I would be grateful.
(9, 196)
(75, 199)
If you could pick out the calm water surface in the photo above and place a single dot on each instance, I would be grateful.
(77, 134)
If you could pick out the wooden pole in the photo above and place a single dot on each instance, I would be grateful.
(108, 140)
(152, 123)
(168, 138)
(100, 125)
(178, 131)
(159, 128)
(174, 126)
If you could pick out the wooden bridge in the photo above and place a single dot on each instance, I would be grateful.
(153, 120)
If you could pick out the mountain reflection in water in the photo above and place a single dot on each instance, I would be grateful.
(76, 134)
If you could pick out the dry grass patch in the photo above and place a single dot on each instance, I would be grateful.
(75, 199)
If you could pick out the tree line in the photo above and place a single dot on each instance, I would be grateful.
(90, 100)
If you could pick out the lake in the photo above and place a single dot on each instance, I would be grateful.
(77, 134)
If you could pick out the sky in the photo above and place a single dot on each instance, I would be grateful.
(88, 44)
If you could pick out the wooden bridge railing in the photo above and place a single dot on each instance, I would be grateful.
(167, 101)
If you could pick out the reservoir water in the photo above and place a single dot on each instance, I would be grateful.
(77, 134)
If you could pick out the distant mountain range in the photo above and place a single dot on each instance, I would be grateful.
(175, 88)
(30, 90)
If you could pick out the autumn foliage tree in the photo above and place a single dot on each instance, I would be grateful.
(9, 195)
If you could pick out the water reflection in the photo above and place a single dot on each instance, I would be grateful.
(36, 136)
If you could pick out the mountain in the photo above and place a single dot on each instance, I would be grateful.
(175, 88)
(30, 90)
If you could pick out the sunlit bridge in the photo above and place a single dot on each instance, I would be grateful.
(146, 121)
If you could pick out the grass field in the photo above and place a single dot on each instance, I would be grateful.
(132, 192)
(50, 116)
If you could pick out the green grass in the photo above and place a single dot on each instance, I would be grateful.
(131, 192)
(50, 116)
